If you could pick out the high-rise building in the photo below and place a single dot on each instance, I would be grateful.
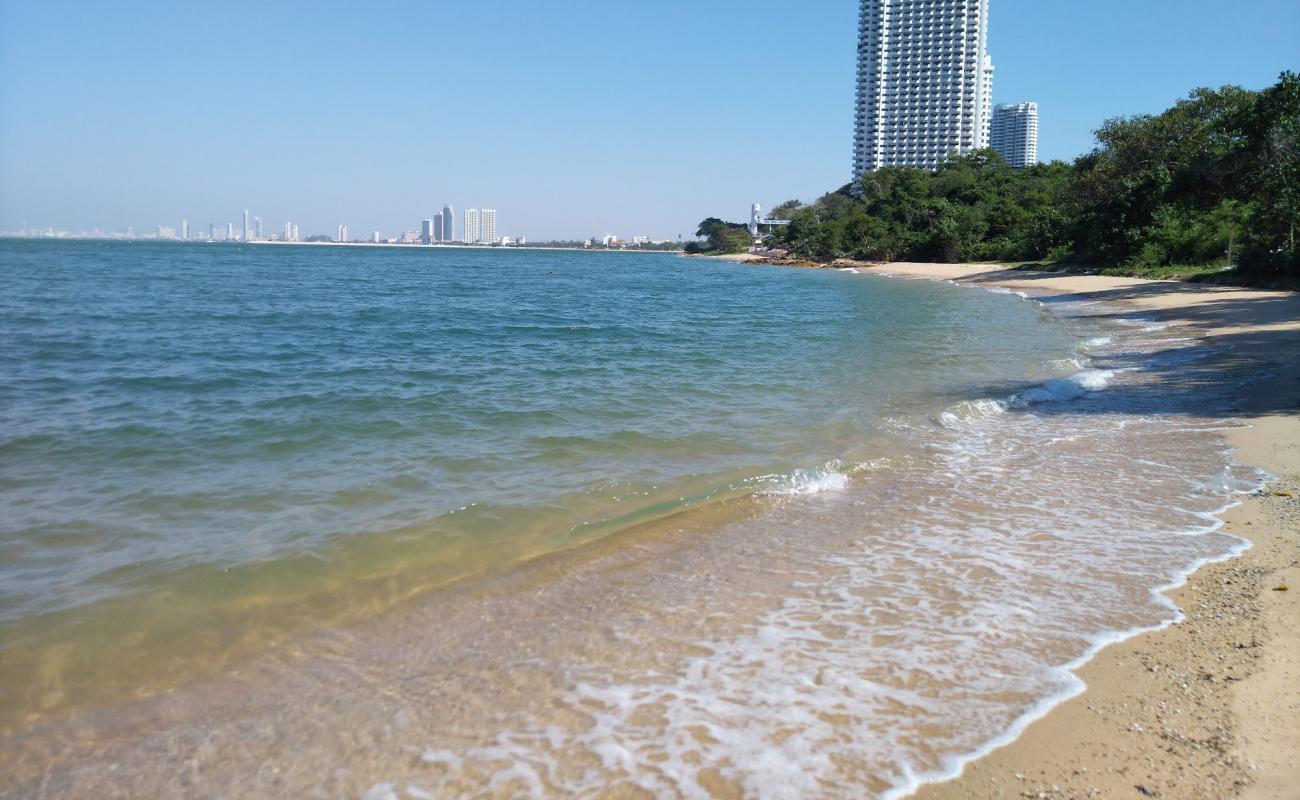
(448, 224)
(374, 237)
(437, 228)
(257, 228)
(426, 232)
(488, 226)
(1014, 134)
(295, 236)
(245, 225)
(986, 107)
(185, 230)
(288, 232)
(343, 233)
(925, 82)
(230, 231)
(472, 230)
(212, 231)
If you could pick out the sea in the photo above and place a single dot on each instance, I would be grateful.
(410, 522)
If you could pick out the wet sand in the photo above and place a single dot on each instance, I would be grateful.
(1207, 708)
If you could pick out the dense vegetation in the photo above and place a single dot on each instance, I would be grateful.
(720, 237)
(1215, 180)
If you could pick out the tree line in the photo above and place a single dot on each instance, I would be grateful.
(1212, 181)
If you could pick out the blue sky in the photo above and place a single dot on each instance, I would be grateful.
(573, 118)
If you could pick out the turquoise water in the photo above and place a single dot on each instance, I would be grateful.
(203, 446)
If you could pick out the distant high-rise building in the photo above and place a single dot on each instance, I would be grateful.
(212, 231)
(374, 237)
(257, 228)
(438, 232)
(472, 230)
(288, 232)
(448, 224)
(185, 229)
(925, 82)
(1014, 134)
(230, 231)
(343, 233)
(296, 236)
(426, 232)
(488, 226)
(245, 225)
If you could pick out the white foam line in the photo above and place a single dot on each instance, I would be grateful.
(955, 766)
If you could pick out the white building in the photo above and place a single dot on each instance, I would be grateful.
(640, 240)
(925, 82)
(1014, 134)
(245, 225)
(488, 226)
(185, 229)
(472, 229)
(343, 233)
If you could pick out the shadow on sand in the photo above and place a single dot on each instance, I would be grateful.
(1245, 339)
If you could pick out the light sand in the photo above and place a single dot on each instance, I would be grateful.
(1208, 708)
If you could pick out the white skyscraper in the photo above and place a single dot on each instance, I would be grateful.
(1015, 134)
(925, 82)
(343, 233)
(472, 230)
(230, 231)
(257, 228)
(245, 225)
(185, 229)
(488, 226)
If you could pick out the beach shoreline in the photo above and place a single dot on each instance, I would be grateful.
(449, 693)
(1205, 707)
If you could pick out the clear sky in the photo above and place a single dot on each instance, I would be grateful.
(570, 118)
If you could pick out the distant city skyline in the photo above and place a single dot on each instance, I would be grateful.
(121, 121)
(480, 229)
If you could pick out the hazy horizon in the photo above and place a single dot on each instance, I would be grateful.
(571, 122)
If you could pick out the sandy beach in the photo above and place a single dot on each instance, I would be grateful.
(1206, 708)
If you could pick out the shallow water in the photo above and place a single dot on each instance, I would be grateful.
(810, 533)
